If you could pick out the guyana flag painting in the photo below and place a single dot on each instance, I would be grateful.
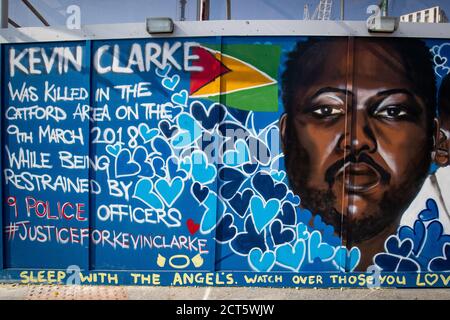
(241, 76)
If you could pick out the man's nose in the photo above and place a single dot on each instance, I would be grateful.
(362, 135)
(359, 136)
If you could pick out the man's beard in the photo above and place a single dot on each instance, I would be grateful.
(324, 201)
(351, 230)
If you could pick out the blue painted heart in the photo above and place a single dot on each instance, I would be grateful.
(319, 249)
(416, 234)
(170, 82)
(287, 214)
(201, 170)
(173, 168)
(158, 166)
(161, 147)
(261, 261)
(231, 180)
(435, 50)
(302, 231)
(441, 264)
(442, 71)
(347, 260)
(163, 72)
(263, 212)
(113, 149)
(180, 98)
(208, 118)
(167, 129)
(225, 230)
(294, 199)
(435, 239)
(125, 164)
(237, 156)
(440, 61)
(304, 215)
(431, 212)
(396, 247)
(144, 192)
(279, 234)
(140, 155)
(186, 164)
(245, 241)
(188, 131)
(200, 193)
(169, 190)
(147, 133)
(318, 223)
(327, 230)
(291, 256)
(265, 185)
(278, 175)
(240, 202)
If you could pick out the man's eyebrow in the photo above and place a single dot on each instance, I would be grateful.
(329, 90)
(413, 107)
(395, 91)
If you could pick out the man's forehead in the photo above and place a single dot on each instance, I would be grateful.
(372, 65)
(380, 61)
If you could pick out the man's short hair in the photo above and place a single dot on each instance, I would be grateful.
(444, 97)
(307, 57)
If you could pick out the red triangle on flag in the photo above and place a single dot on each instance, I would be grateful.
(212, 69)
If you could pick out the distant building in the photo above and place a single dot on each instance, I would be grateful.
(430, 15)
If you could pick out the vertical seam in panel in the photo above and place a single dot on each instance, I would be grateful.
(348, 104)
(90, 221)
(217, 160)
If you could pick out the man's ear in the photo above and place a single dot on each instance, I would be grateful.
(442, 147)
(282, 124)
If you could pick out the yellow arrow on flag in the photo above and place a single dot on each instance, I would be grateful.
(240, 76)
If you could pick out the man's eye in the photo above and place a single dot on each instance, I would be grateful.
(391, 112)
(324, 111)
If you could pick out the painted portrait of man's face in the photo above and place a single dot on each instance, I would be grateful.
(358, 131)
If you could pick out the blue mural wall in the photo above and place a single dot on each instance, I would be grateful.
(264, 161)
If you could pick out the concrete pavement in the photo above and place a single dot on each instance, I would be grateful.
(54, 292)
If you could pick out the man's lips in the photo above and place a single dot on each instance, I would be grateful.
(359, 177)
(361, 173)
